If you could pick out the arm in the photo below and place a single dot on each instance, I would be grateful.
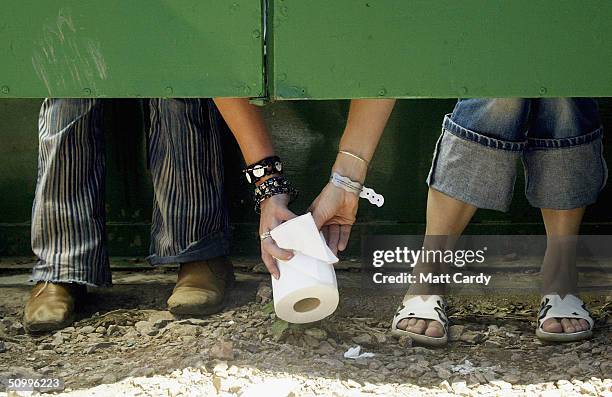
(250, 131)
(248, 128)
(335, 209)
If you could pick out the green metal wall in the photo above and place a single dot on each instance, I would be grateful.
(440, 49)
(135, 48)
(318, 49)
(306, 134)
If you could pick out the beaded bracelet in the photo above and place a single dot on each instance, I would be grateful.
(272, 187)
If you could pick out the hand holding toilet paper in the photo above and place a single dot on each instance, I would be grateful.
(307, 290)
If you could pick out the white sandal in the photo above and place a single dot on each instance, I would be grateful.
(552, 306)
(433, 307)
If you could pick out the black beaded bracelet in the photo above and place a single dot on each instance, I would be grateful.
(272, 187)
(268, 166)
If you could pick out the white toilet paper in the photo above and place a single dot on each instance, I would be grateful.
(307, 290)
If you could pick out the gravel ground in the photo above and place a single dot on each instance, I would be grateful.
(125, 344)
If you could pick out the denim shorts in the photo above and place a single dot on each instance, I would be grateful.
(557, 139)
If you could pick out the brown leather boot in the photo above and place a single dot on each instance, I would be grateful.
(201, 287)
(51, 306)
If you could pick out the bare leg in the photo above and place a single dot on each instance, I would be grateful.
(559, 274)
(447, 216)
(446, 220)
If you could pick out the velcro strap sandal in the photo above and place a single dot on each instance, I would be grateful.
(426, 307)
(553, 306)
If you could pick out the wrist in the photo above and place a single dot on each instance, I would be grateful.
(279, 199)
(273, 186)
(265, 178)
(263, 169)
(351, 168)
(357, 148)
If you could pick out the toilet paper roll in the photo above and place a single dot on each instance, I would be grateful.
(306, 291)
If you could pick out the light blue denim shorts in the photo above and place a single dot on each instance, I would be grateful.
(558, 141)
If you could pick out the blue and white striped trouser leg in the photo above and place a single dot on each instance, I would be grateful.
(68, 217)
(190, 220)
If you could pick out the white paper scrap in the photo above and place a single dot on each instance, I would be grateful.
(355, 353)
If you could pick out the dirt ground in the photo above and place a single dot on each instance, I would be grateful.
(125, 343)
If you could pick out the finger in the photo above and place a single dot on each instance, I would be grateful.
(271, 248)
(334, 236)
(345, 233)
(270, 264)
(318, 218)
(325, 231)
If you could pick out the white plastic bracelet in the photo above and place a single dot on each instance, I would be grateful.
(357, 188)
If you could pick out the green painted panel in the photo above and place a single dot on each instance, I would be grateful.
(135, 48)
(444, 48)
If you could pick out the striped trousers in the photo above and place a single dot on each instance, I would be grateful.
(190, 221)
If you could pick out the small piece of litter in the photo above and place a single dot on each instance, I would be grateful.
(355, 353)
(465, 368)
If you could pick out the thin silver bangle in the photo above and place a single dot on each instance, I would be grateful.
(354, 156)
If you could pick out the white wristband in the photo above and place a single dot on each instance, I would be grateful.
(373, 197)
(357, 188)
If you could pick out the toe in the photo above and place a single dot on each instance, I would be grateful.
(552, 325)
(434, 330)
(567, 325)
(422, 326)
(585, 324)
(419, 327)
(410, 323)
(403, 324)
(576, 324)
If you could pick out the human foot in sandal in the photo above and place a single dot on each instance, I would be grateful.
(423, 319)
(422, 314)
(563, 319)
